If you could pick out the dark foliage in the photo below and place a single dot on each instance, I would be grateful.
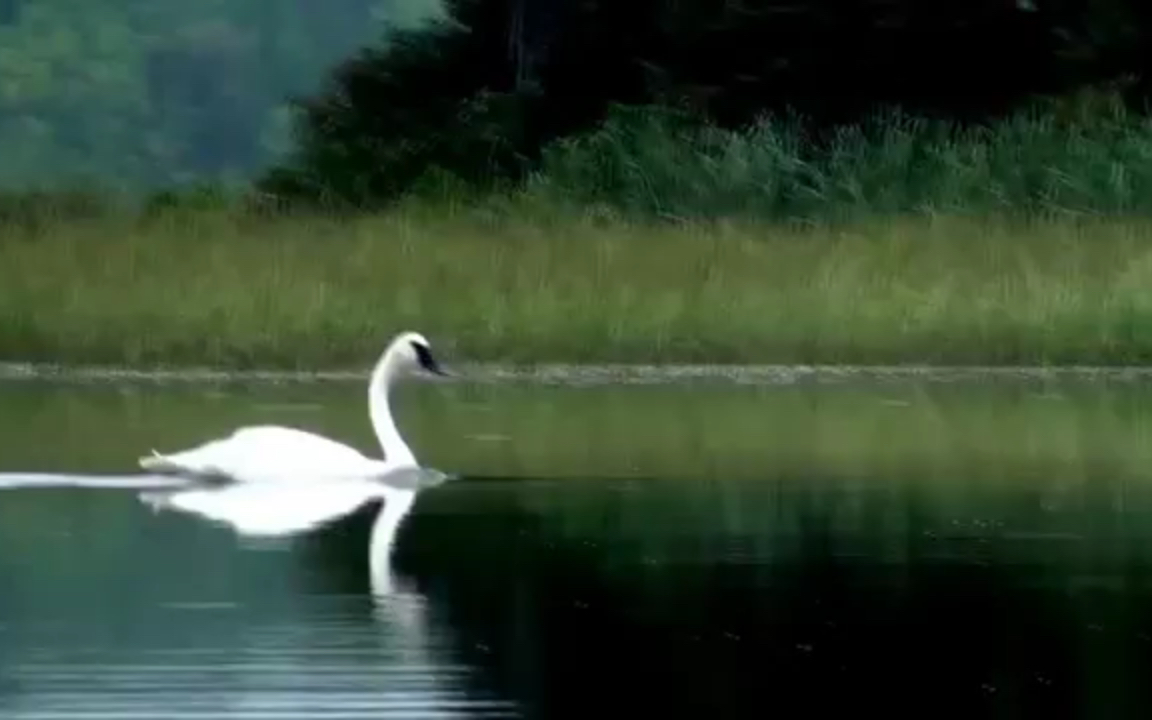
(479, 97)
(444, 95)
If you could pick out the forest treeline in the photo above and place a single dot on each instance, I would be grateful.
(701, 104)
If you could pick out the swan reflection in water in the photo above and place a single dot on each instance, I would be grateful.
(263, 511)
(292, 506)
(295, 506)
(330, 658)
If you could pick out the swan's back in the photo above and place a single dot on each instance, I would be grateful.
(266, 451)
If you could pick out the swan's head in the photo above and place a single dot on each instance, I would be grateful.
(414, 352)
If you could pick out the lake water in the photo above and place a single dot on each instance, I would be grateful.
(972, 549)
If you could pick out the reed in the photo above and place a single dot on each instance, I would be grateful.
(523, 285)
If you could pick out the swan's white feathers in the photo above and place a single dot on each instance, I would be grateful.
(274, 452)
(265, 450)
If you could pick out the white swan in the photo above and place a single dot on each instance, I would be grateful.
(273, 452)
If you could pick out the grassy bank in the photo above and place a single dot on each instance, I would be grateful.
(240, 291)
(903, 240)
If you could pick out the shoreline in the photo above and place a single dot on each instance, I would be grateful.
(588, 374)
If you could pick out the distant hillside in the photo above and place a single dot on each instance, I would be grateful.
(147, 92)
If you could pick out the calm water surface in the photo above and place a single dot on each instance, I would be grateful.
(970, 550)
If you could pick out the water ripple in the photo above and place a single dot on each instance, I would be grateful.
(306, 685)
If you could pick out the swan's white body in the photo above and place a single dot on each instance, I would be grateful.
(269, 452)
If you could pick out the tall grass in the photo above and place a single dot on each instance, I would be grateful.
(235, 290)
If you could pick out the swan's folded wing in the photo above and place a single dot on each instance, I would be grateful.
(264, 453)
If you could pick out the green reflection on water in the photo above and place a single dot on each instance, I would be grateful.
(980, 433)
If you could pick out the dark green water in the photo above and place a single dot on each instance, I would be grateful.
(970, 551)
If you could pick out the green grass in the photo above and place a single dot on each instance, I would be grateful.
(650, 240)
(234, 290)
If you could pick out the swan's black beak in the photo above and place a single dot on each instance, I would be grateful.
(424, 356)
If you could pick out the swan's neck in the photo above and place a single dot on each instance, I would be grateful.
(394, 447)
